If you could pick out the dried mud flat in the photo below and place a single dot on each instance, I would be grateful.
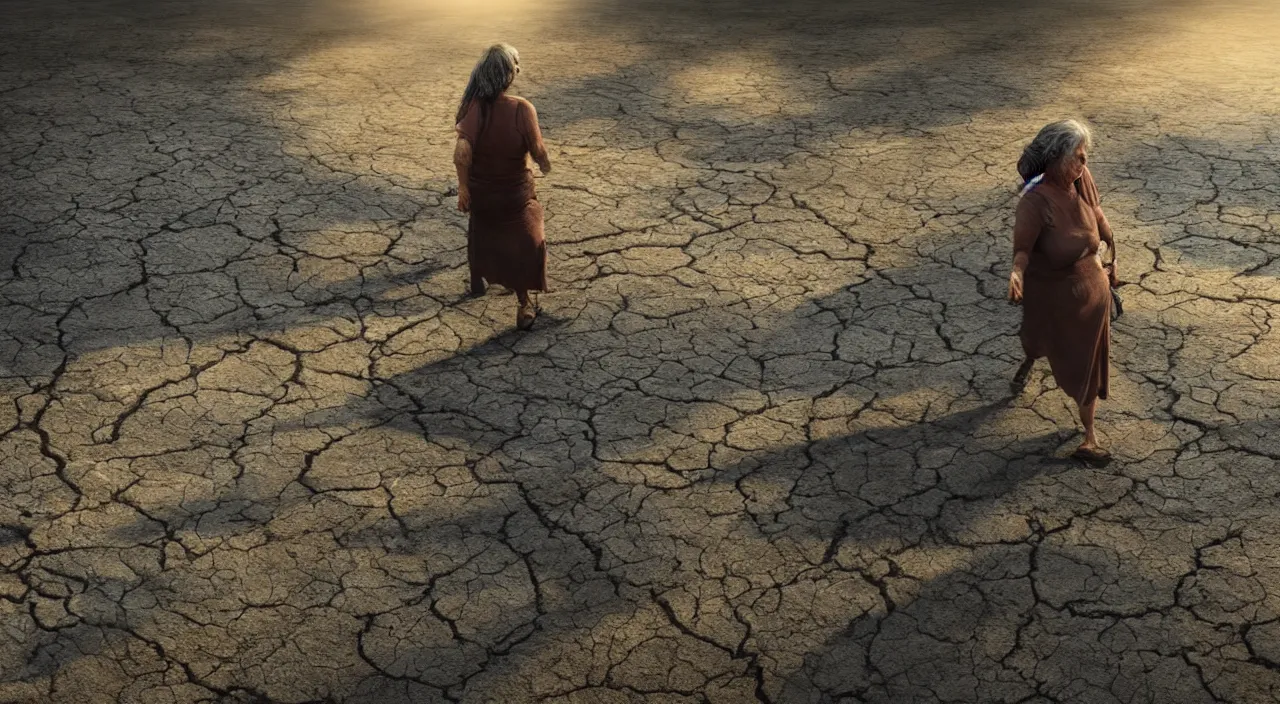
(257, 446)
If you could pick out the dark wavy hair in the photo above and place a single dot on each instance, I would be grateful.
(493, 74)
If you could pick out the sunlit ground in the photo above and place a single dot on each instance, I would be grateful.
(259, 447)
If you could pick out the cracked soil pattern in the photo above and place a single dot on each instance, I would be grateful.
(258, 447)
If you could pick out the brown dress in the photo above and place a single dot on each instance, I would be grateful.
(505, 242)
(1066, 299)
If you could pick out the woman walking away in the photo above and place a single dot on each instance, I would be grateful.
(1058, 275)
(505, 244)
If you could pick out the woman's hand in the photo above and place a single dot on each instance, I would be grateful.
(545, 166)
(1015, 286)
(464, 199)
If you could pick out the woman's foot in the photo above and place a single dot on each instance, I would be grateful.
(1092, 454)
(477, 286)
(525, 316)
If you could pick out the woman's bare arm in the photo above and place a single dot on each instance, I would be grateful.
(1104, 229)
(1104, 232)
(462, 162)
(537, 149)
(542, 159)
(1027, 223)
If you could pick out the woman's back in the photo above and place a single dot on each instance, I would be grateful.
(498, 134)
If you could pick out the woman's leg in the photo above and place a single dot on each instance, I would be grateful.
(525, 313)
(1086, 417)
(477, 281)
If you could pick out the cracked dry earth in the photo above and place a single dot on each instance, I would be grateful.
(258, 447)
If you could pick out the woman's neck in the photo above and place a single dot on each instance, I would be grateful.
(1059, 179)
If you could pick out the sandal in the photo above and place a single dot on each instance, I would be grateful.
(1092, 455)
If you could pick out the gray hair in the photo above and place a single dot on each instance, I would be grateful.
(493, 74)
(1055, 141)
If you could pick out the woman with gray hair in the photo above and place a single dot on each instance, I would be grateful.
(1057, 273)
(505, 243)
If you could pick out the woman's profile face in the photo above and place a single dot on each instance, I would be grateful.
(1073, 164)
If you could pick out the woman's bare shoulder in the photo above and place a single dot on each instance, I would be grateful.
(520, 101)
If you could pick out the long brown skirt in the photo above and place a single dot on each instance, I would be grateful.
(505, 243)
(1066, 316)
